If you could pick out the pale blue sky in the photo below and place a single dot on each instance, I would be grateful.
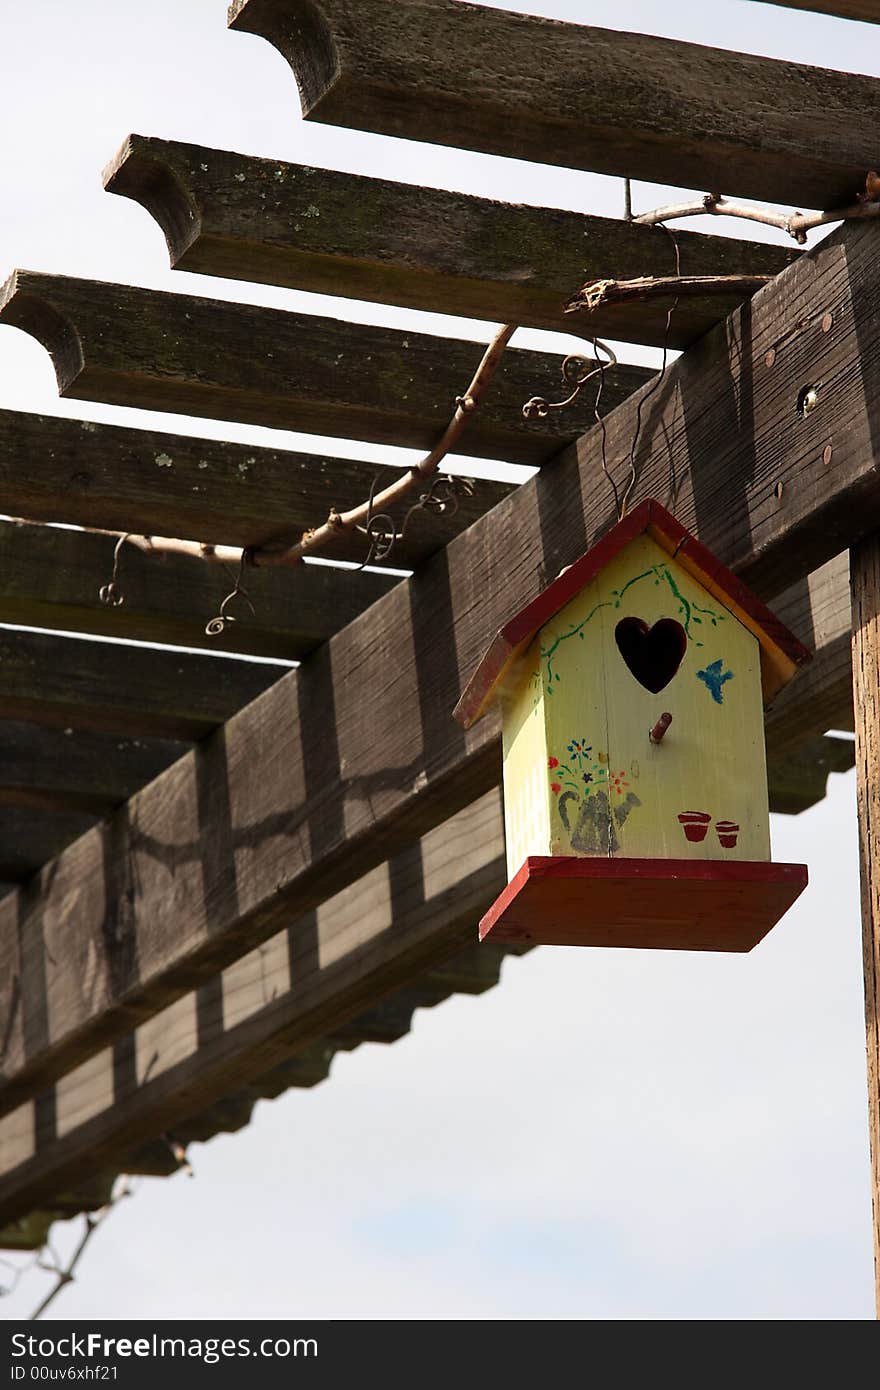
(608, 1134)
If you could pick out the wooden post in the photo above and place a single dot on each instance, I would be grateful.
(865, 581)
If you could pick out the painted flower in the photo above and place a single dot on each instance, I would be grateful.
(552, 762)
(588, 776)
(555, 788)
(618, 781)
(580, 749)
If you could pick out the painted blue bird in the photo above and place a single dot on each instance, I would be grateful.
(714, 678)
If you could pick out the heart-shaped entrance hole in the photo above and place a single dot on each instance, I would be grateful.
(653, 654)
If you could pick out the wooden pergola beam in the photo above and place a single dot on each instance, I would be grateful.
(32, 835)
(867, 10)
(397, 934)
(256, 1047)
(865, 566)
(316, 229)
(822, 696)
(75, 770)
(818, 609)
(55, 783)
(128, 346)
(152, 483)
(51, 578)
(67, 682)
(799, 780)
(342, 762)
(585, 98)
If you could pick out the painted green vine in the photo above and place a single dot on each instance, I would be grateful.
(688, 611)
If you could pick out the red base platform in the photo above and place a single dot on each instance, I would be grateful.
(671, 904)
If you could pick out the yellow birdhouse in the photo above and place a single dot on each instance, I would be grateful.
(635, 785)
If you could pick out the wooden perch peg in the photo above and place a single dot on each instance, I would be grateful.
(659, 731)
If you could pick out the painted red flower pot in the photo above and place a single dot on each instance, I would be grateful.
(695, 824)
(727, 831)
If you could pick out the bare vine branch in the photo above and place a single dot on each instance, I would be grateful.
(64, 1274)
(598, 293)
(795, 224)
(340, 523)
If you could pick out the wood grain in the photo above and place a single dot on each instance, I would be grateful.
(62, 776)
(67, 682)
(136, 347)
(818, 609)
(159, 484)
(55, 783)
(644, 904)
(865, 575)
(315, 229)
(400, 935)
(31, 834)
(867, 10)
(250, 990)
(339, 764)
(584, 98)
(799, 779)
(781, 652)
(75, 770)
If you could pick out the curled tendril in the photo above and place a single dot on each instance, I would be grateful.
(576, 372)
(217, 626)
(442, 497)
(445, 494)
(381, 532)
(110, 594)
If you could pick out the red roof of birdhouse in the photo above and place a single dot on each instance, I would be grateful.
(781, 652)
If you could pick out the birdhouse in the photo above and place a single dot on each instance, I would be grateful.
(632, 693)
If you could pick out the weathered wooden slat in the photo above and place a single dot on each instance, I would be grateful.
(309, 1067)
(399, 928)
(867, 10)
(585, 98)
(822, 696)
(69, 682)
(32, 835)
(73, 471)
(56, 784)
(29, 1232)
(51, 578)
(63, 777)
(129, 346)
(315, 229)
(825, 702)
(348, 758)
(799, 780)
(470, 971)
(75, 770)
(865, 566)
(306, 1069)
